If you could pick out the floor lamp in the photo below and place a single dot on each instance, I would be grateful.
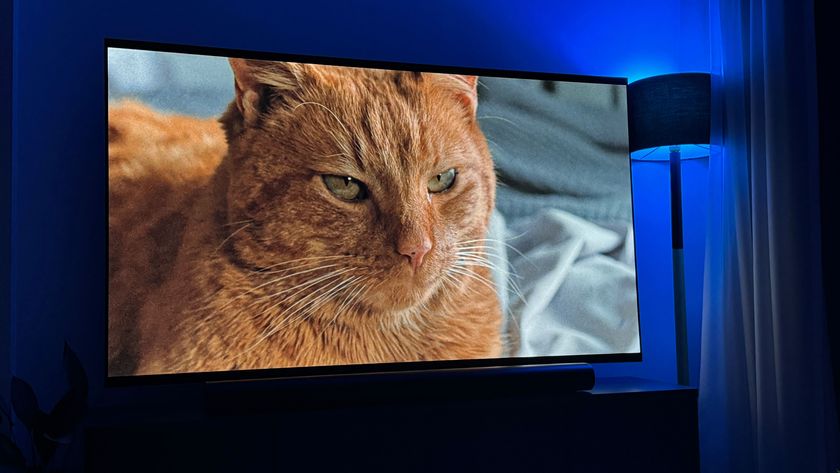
(672, 110)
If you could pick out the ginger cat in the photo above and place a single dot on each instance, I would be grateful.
(336, 216)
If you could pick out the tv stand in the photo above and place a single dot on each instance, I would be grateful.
(622, 424)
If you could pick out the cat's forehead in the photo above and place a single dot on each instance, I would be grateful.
(378, 125)
(379, 121)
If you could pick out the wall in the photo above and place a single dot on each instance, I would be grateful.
(58, 207)
(5, 191)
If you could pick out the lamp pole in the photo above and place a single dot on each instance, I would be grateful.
(679, 267)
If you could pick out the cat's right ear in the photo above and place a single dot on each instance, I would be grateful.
(257, 81)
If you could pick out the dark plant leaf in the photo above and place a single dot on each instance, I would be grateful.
(5, 414)
(65, 417)
(44, 446)
(25, 404)
(76, 377)
(4, 407)
(10, 455)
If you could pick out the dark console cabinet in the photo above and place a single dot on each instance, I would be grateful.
(622, 425)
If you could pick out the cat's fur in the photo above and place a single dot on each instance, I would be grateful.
(235, 255)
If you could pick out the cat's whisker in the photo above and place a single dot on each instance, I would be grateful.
(222, 244)
(256, 288)
(480, 261)
(360, 284)
(496, 259)
(298, 306)
(493, 240)
(476, 262)
(493, 265)
(331, 112)
(346, 304)
(264, 270)
(319, 301)
(482, 248)
(496, 117)
(304, 286)
(514, 287)
(481, 256)
(457, 285)
(345, 151)
(341, 286)
(509, 280)
(520, 235)
(336, 155)
(487, 251)
(349, 296)
(230, 224)
(286, 271)
(497, 145)
(371, 285)
(299, 289)
(303, 311)
(477, 254)
(471, 274)
(476, 246)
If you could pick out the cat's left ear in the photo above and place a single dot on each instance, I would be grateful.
(465, 89)
(248, 89)
(254, 79)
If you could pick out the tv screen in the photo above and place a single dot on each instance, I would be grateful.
(309, 215)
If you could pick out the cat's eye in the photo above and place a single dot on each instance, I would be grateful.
(442, 181)
(345, 187)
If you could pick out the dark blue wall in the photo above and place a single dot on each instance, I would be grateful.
(58, 207)
(5, 182)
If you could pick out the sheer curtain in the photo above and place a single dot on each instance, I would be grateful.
(766, 400)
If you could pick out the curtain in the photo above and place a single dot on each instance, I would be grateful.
(766, 400)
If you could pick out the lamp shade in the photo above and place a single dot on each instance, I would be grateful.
(669, 110)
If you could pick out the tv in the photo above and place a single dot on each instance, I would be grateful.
(279, 215)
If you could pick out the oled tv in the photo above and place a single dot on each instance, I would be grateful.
(282, 215)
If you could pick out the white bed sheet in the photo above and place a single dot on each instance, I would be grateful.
(570, 285)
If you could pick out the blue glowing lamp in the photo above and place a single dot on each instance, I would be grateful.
(672, 112)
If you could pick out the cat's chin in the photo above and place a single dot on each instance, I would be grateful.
(399, 298)
(385, 304)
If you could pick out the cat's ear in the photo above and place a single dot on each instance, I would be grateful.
(256, 82)
(464, 88)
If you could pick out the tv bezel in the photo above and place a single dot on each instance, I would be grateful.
(368, 368)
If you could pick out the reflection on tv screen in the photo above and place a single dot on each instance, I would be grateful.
(275, 214)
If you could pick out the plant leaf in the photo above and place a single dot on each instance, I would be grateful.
(5, 411)
(10, 454)
(76, 376)
(65, 417)
(44, 446)
(61, 423)
(25, 404)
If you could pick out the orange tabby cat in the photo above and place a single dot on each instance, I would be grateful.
(341, 222)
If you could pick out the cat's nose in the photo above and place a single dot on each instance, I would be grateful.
(415, 249)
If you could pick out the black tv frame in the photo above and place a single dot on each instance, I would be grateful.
(396, 370)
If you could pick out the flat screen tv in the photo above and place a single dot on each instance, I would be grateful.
(275, 215)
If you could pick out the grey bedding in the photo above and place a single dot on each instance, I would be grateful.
(565, 253)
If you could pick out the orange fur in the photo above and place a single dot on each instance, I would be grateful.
(236, 256)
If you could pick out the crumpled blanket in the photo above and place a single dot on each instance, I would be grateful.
(569, 285)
